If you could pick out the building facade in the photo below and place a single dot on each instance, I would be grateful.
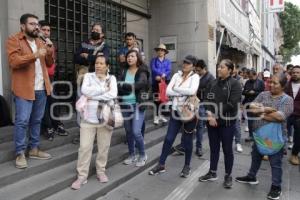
(204, 28)
(272, 37)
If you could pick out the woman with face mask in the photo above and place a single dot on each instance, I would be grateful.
(223, 95)
(86, 54)
(100, 88)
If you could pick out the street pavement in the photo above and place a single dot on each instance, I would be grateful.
(170, 186)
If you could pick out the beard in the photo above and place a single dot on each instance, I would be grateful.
(33, 33)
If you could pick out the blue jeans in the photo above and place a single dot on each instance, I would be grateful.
(133, 127)
(29, 114)
(275, 162)
(216, 136)
(187, 139)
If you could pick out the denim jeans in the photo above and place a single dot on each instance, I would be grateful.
(133, 123)
(187, 138)
(216, 136)
(29, 114)
(275, 162)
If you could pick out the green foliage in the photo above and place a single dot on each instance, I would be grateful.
(290, 23)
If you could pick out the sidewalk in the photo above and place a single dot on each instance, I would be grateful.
(169, 185)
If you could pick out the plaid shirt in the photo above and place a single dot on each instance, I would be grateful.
(285, 108)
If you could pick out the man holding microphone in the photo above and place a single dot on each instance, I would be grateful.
(28, 57)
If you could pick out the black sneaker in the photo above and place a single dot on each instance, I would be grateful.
(157, 170)
(185, 171)
(199, 152)
(210, 176)
(247, 179)
(227, 181)
(61, 130)
(49, 133)
(179, 149)
(274, 193)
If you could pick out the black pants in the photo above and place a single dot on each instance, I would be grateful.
(48, 121)
(216, 136)
(250, 123)
(296, 124)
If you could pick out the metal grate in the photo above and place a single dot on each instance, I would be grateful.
(113, 18)
(71, 22)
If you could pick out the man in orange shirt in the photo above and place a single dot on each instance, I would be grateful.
(28, 57)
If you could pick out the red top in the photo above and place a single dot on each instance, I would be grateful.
(51, 68)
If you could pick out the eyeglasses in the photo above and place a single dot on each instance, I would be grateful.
(33, 24)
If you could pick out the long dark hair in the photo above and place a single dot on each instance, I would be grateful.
(139, 62)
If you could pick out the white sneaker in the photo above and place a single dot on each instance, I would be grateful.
(246, 129)
(290, 140)
(163, 119)
(130, 160)
(141, 161)
(239, 148)
(290, 147)
(156, 120)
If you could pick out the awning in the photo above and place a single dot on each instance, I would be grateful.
(234, 42)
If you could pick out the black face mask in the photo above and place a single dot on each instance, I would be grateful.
(95, 35)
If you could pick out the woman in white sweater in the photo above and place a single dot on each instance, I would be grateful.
(100, 88)
(183, 84)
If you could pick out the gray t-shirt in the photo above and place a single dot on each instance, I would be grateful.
(283, 106)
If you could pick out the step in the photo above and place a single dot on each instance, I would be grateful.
(7, 151)
(62, 154)
(59, 178)
(6, 133)
(118, 174)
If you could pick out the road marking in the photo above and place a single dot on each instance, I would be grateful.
(188, 186)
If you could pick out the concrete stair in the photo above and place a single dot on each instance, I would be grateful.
(45, 178)
(58, 178)
(118, 174)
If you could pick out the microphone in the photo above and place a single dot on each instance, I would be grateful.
(42, 37)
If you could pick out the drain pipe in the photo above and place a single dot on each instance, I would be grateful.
(222, 29)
